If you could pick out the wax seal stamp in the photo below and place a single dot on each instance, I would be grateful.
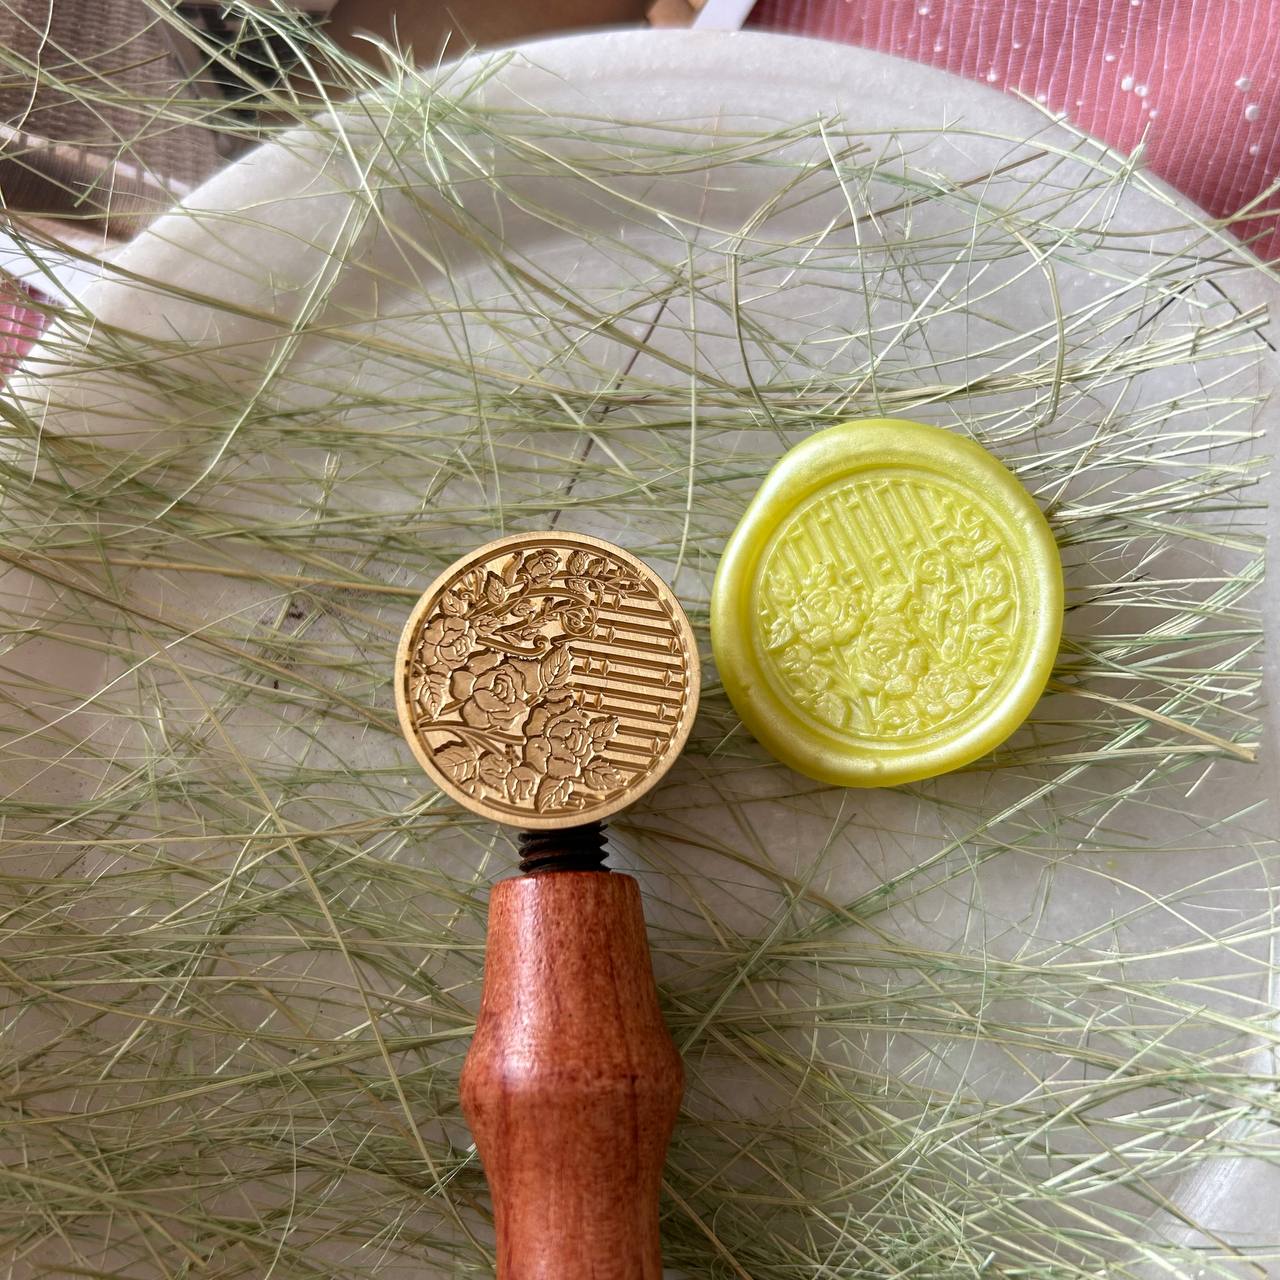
(889, 607)
(547, 680)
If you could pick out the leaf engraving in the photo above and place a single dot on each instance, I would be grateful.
(601, 777)
(460, 764)
(555, 667)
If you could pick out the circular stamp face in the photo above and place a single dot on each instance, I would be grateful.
(889, 607)
(547, 680)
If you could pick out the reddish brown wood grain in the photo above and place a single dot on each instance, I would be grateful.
(572, 1083)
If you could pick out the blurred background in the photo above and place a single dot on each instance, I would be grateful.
(1193, 90)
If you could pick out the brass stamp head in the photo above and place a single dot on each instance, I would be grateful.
(547, 680)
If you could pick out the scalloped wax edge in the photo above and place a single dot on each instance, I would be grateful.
(890, 605)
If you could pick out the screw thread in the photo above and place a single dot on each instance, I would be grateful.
(569, 849)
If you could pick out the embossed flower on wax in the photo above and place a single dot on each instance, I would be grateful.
(818, 611)
(945, 692)
(891, 657)
(491, 690)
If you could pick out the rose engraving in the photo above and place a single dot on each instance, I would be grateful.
(491, 692)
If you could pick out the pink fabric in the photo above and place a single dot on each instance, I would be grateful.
(20, 326)
(1200, 79)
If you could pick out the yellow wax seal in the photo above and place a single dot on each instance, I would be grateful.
(889, 607)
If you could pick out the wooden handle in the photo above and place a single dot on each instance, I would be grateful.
(572, 1083)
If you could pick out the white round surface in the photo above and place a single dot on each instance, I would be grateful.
(344, 309)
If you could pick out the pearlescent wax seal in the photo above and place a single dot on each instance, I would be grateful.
(889, 607)
(547, 680)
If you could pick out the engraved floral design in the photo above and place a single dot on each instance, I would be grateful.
(904, 654)
(820, 610)
(491, 692)
(448, 642)
(565, 745)
(491, 680)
